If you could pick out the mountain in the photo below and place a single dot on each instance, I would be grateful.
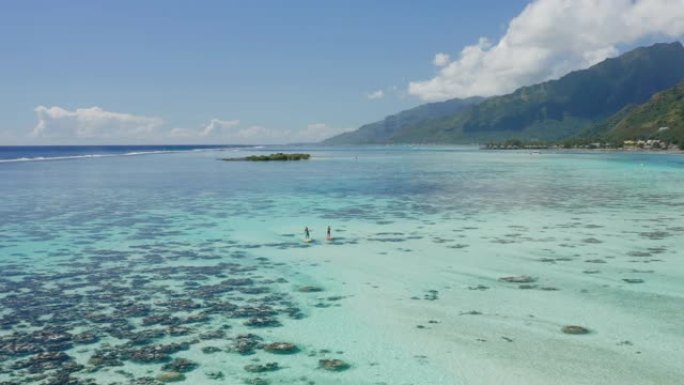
(384, 130)
(550, 110)
(662, 117)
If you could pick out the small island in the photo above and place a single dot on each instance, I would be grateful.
(278, 156)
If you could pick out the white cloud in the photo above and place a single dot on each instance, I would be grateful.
(548, 39)
(256, 134)
(94, 123)
(225, 131)
(231, 132)
(215, 128)
(379, 94)
(441, 59)
(216, 125)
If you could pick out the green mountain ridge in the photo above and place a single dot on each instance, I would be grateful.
(661, 117)
(552, 110)
(382, 131)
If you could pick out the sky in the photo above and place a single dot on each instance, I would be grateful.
(253, 72)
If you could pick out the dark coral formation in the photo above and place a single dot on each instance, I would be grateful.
(575, 329)
(259, 368)
(246, 343)
(125, 295)
(281, 348)
(518, 279)
(333, 365)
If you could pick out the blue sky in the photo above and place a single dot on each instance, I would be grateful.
(252, 71)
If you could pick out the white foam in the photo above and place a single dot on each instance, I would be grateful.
(85, 156)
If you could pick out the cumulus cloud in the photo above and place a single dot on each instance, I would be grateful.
(229, 132)
(215, 128)
(441, 59)
(97, 125)
(379, 94)
(92, 123)
(216, 125)
(232, 132)
(256, 134)
(548, 39)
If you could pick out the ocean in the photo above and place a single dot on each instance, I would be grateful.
(448, 265)
(41, 153)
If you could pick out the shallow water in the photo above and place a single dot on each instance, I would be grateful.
(182, 248)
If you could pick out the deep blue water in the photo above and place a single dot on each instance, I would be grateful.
(25, 153)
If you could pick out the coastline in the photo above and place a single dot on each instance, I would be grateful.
(589, 150)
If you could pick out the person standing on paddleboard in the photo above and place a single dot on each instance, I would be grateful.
(328, 235)
(307, 234)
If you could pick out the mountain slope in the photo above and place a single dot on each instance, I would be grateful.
(554, 109)
(664, 109)
(382, 131)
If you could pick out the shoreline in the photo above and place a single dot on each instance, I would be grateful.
(587, 150)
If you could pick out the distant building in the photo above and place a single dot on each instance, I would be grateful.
(650, 144)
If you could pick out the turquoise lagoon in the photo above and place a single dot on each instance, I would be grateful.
(176, 245)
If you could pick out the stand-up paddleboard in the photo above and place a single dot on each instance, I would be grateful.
(308, 240)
